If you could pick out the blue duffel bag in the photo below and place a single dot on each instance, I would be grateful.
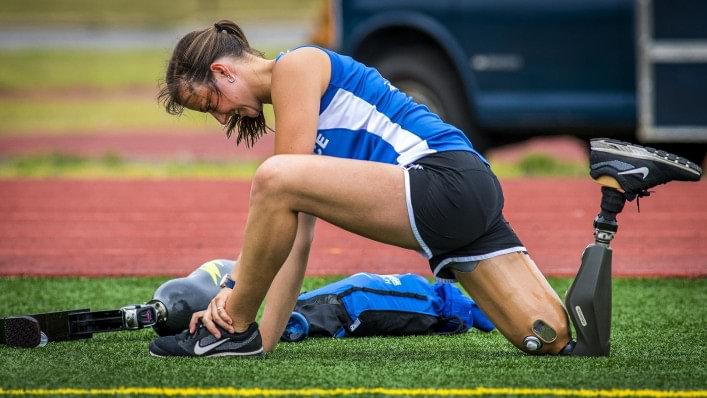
(367, 304)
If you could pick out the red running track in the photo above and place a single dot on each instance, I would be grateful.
(139, 146)
(169, 227)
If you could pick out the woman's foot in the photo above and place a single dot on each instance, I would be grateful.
(204, 344)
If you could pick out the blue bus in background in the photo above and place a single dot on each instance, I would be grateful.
(503, 70)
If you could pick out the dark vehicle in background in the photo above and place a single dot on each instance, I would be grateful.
(503, 70)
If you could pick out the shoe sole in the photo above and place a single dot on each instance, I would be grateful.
(21, 331)
(630, 150)
(254, 354)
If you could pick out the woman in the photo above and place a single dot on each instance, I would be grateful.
(389, 170)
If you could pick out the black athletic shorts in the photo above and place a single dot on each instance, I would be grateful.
(455, 207)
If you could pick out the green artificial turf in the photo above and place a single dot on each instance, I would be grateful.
(659, 341)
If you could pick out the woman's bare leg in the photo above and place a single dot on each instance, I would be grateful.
(365, 198)
(514, 294)
(287, 285)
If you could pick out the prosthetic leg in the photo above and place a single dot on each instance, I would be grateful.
(588, 299)
(34, 330)
(626, 172)
(181, 297)
(168, 313)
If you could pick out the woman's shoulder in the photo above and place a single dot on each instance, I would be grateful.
(306, 55)
(303, 64)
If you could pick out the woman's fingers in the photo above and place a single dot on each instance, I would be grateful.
(215, 314)
(194, 320)
(208, 322)
(218, 313)
(220, 302)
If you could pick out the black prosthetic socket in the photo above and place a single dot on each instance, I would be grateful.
(612, 203)
(605, 225)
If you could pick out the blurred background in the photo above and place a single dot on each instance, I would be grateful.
(529, 82)
(78, 85)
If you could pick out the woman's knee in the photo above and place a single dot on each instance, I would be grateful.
(270, 179)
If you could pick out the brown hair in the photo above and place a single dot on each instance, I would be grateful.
(190, 65)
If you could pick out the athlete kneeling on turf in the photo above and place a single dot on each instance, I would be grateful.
(388, 169)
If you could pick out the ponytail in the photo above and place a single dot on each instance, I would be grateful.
(229, 27)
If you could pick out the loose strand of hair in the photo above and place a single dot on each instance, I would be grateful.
(249, 129)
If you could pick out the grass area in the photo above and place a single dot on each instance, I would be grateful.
(52, 69)
(47, 69)
(149, 14)
(539, 165)
(658, 342)
(22, 116)
(112, 166)
(88, 115)
(81, 91)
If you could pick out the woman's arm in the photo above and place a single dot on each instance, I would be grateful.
(299, 80)
(282, 295)
(298, 83)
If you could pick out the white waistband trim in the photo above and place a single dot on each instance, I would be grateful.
(480, 257)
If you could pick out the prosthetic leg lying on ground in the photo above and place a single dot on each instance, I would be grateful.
(35, 330)
(168, 312)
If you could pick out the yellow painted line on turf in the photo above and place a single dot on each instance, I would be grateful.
(306, 392)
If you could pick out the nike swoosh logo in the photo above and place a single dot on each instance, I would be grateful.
(199, 350)
(640, 170)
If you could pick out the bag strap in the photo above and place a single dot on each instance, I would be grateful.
(352, 289)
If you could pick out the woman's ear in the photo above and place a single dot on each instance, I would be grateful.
(219, 68)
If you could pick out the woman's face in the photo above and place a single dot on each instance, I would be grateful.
(235, 98)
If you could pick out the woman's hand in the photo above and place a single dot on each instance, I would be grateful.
(215, 314)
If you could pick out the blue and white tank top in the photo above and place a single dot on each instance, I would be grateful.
(362, 116)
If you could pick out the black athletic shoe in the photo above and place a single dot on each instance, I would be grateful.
(204, 344)
(636, 168)
(20, 331)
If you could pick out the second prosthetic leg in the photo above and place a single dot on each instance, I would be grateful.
(588, 300)
(168, 313)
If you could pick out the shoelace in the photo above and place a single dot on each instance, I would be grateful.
(640, 194)
(186, 336)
